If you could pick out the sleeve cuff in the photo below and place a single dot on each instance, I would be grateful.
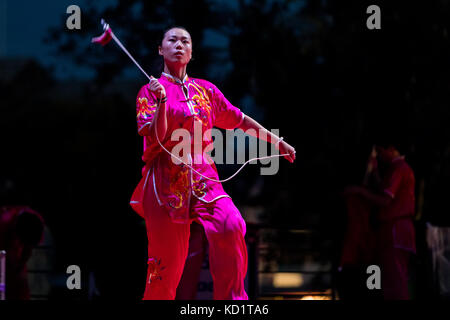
(143, 126)
(242, 119)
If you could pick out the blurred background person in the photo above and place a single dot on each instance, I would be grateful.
(395, 234)
(21, 229)
(359, 241)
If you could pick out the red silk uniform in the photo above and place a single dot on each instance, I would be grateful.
(396, 235)
(399, 184)
(203, 108)
(170, 196)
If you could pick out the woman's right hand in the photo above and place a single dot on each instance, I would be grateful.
(157, 88)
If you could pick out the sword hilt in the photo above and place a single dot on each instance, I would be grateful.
(104, 24)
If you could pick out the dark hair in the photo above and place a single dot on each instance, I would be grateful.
(170, 28)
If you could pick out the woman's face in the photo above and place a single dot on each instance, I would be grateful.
(176, 47)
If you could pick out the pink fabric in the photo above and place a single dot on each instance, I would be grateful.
(205, 107)
(171, 196)
(398, 228)
(198, 246)
(104, 38)
(394, 266)
(399, 183)
(168, 247)
(225, 230)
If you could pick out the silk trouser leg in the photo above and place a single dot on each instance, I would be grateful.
(225, 230)
(188, 286)
(167, 250)
(394, 273)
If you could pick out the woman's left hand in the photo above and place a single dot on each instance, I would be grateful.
(285, 148)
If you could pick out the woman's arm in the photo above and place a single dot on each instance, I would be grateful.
(160, 120)
(261, 133)
(380, 200)
(160, 114)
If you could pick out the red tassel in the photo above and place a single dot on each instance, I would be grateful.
(104, 38)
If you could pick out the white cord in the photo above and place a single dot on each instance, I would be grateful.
(129, 55)
(156, 131)
(215, 180)
(281, 138)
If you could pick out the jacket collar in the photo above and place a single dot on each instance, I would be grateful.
(173, 79)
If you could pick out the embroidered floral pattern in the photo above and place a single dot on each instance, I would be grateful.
(198, 187)
(155, 268)
(176, 184)
(202, 107)
(145, 111)
(179, 183)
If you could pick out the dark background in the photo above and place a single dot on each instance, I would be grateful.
(312, 69)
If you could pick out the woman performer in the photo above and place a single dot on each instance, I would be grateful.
(170, 195)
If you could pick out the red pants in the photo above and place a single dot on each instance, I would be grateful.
(198, 247)
(394, 274)
(168, 245)
(394, 262)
